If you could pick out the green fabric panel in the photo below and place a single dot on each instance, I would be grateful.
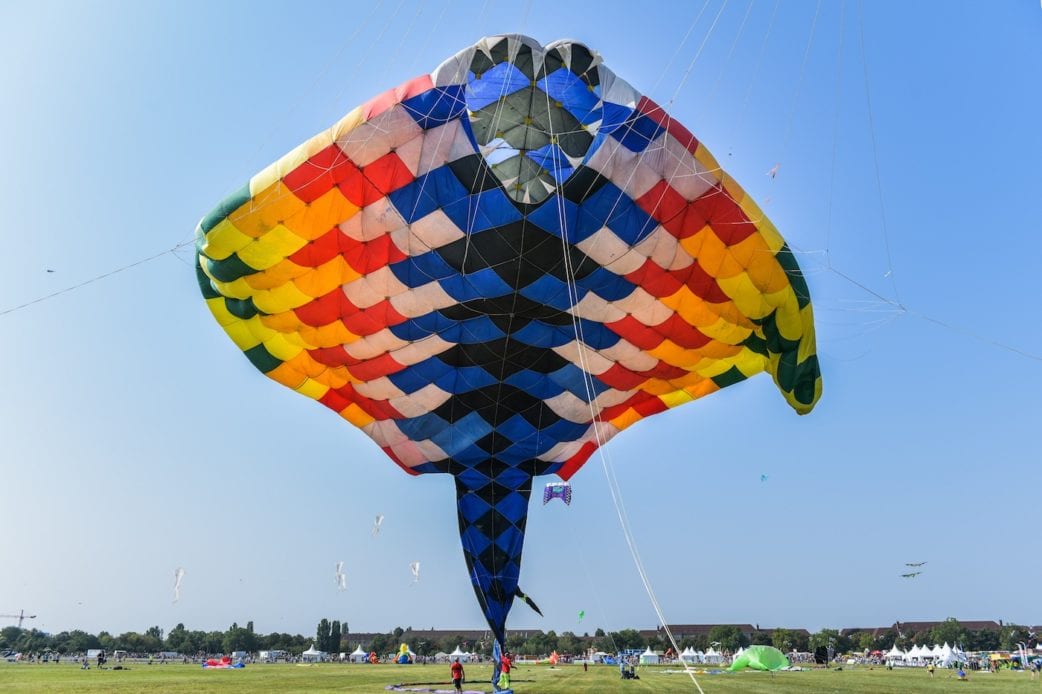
(787, 260)
(225, 208)
(205, 285)
(729, 377)
(241, 308)
(264, 360)
(229, 269)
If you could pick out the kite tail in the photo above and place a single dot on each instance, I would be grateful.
(492, 516)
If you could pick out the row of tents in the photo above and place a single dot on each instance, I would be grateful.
(942, 656)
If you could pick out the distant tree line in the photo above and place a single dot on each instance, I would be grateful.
(334, 637)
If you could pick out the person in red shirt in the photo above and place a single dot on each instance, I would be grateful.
(457, 675)
(504, 671)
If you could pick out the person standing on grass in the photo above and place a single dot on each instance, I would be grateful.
(457, 675)
(504, 672)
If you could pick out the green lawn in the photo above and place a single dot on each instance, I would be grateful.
(541, 679)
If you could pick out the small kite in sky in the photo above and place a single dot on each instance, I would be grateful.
(179, 573)
(911, 575)
(774, 171)
(376, 524)
(763, 478)
(415, 568)
(341, 577)
(558, 490)
(582, 614)
(917, 564)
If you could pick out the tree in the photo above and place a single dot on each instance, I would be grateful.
(949, 631)
(176, 639)
(570, 644)
(9, 636)
(334, 637)
(382, 644)
(826, 638)
(1012, 634)
(729, 637)
(886, 640)
(322, 635)
(982, 640)
(783, 640)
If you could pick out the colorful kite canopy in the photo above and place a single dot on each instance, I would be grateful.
(495, 268)
(760, 658)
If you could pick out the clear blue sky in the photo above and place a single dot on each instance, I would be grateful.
(135, 438)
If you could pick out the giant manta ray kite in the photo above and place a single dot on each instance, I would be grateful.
(495, 268)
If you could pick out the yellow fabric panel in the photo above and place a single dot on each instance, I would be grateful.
(788, 317)
(331, 335)
(312, 388)
(317, 218)
(281, 298)
(319, 281)
(276, 276)
(266, 210)
(258, 329)
(220, 311)
(807, 348)
(281, 346)
(706, 159)
(726, 332)
(271, 248)
(223, 240)
(242, 335)
(763, 224)
(236, 289)
(676, 397)
(746, 296)
(357, 416)
(246, 334)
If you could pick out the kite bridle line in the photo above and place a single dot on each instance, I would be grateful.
(597, 422)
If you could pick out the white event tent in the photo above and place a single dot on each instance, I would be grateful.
(649, 657)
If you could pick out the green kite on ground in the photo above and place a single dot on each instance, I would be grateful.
(760, 658)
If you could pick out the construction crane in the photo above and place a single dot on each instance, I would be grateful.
(21, 617)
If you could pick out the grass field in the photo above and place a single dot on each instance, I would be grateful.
(541, 679)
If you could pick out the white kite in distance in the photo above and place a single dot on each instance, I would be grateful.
(179, 573)
(341, 577)
(415, 568)
(376, 524)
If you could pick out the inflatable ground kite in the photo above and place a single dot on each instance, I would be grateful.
(495, 268)
(760, 658)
